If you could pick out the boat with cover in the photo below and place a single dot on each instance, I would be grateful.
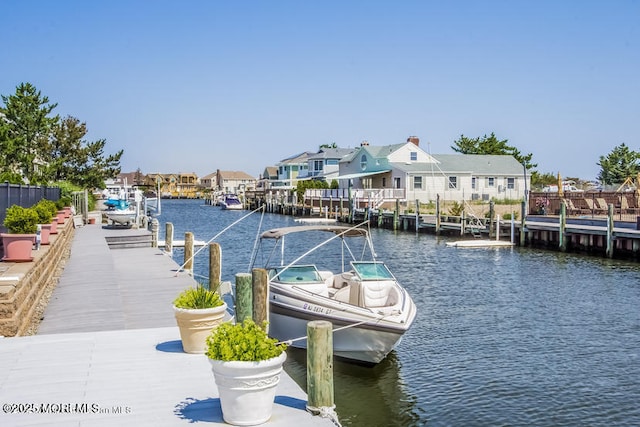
(370, 311)
(120, 211)
(231, 202)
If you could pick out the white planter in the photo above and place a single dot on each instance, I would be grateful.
(196, 325)
(247, 390)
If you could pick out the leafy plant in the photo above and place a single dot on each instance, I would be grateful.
(456, 209)
(198, 298)
(50, 205)
(21, 220)
(244, 341)
(44, 214)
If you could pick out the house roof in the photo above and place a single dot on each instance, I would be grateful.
(479, 164)
(331, 153)
(297, 158)
(235, 175)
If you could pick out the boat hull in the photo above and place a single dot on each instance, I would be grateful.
(122, 217)
(360, 335)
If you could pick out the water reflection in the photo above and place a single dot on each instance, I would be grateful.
(364, 395)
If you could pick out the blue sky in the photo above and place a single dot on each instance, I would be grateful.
(195, 86)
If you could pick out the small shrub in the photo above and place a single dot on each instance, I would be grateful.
(198, 298)
(21, 220)
(456, 209)
(242, 342)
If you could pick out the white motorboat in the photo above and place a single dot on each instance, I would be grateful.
(370, 311)
(230, 202)
(121, 212)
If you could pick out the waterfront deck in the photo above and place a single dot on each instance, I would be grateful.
(108, 340)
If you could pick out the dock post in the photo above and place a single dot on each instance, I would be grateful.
(215, 262)
(396, 215)
(523, 224)
(155, 226)
(562, 243)
(492, 214)
(260, 285)
(463, 220)
(610, 236)
(417, 215)
(168, 239)
(319, 367)
(244, 297)
(188, 252)
(437, 214)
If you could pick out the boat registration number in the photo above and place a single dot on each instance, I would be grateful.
(317, 309)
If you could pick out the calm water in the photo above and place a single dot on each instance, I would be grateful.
(504, 337)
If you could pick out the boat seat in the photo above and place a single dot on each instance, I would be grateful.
(373, 294)
(342, 294)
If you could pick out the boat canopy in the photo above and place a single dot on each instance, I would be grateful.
(277, 233)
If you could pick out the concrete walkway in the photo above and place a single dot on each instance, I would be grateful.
(108, 351)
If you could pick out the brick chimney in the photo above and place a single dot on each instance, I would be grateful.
(414, 139)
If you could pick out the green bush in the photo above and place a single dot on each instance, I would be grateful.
(198, 298)
(44, 215)
(50, 205)
(243, 342)
(21, 220)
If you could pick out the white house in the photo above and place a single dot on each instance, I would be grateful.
(424, 176)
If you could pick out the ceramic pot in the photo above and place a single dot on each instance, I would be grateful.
(17, 247)
(45, 231)
(247, 390)
(196, 325)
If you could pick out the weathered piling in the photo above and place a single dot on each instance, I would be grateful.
(155, 226)
(188, 252)
(562, 238)
(168, 238)
(215, 262)
(319, 366)
(610, 237)
(244, 297)
(260, 285)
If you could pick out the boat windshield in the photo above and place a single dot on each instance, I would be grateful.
(372, 270)
(296, 274)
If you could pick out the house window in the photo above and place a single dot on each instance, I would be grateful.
(384, 182)
(511, 183)
(473, 183)
(453, 182)
(396, 182)
(417, 183)
(363, 162)
(414, 156)
(491, 181)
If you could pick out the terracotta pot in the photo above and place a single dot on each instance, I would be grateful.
(17, 247)
(45, 231)
(196, 325)
(92, 220)
(67, 211)
(61, 217)
(54, 226)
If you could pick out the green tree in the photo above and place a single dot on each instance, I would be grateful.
(491, 145)
(332, 145)
(28, 125)
(621, 163)
(73, 159)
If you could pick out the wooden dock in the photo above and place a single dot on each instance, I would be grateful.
(108, 351)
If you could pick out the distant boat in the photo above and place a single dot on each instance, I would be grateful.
(477, 243)
(230, 202)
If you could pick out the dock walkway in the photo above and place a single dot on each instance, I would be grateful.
(108, 351)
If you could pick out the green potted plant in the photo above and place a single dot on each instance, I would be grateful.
(246, 365)
(22, 224)
(198, 310)
(44, 219)
(50, 205)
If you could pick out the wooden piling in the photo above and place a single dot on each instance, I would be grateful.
(188, 252)
(523, 215)
(610, 236)
(260, 285)
(437, 214)
(215, 263)
(562, 243)
(155, 226)
(168, 238)
(319, 366)
(244, 297)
